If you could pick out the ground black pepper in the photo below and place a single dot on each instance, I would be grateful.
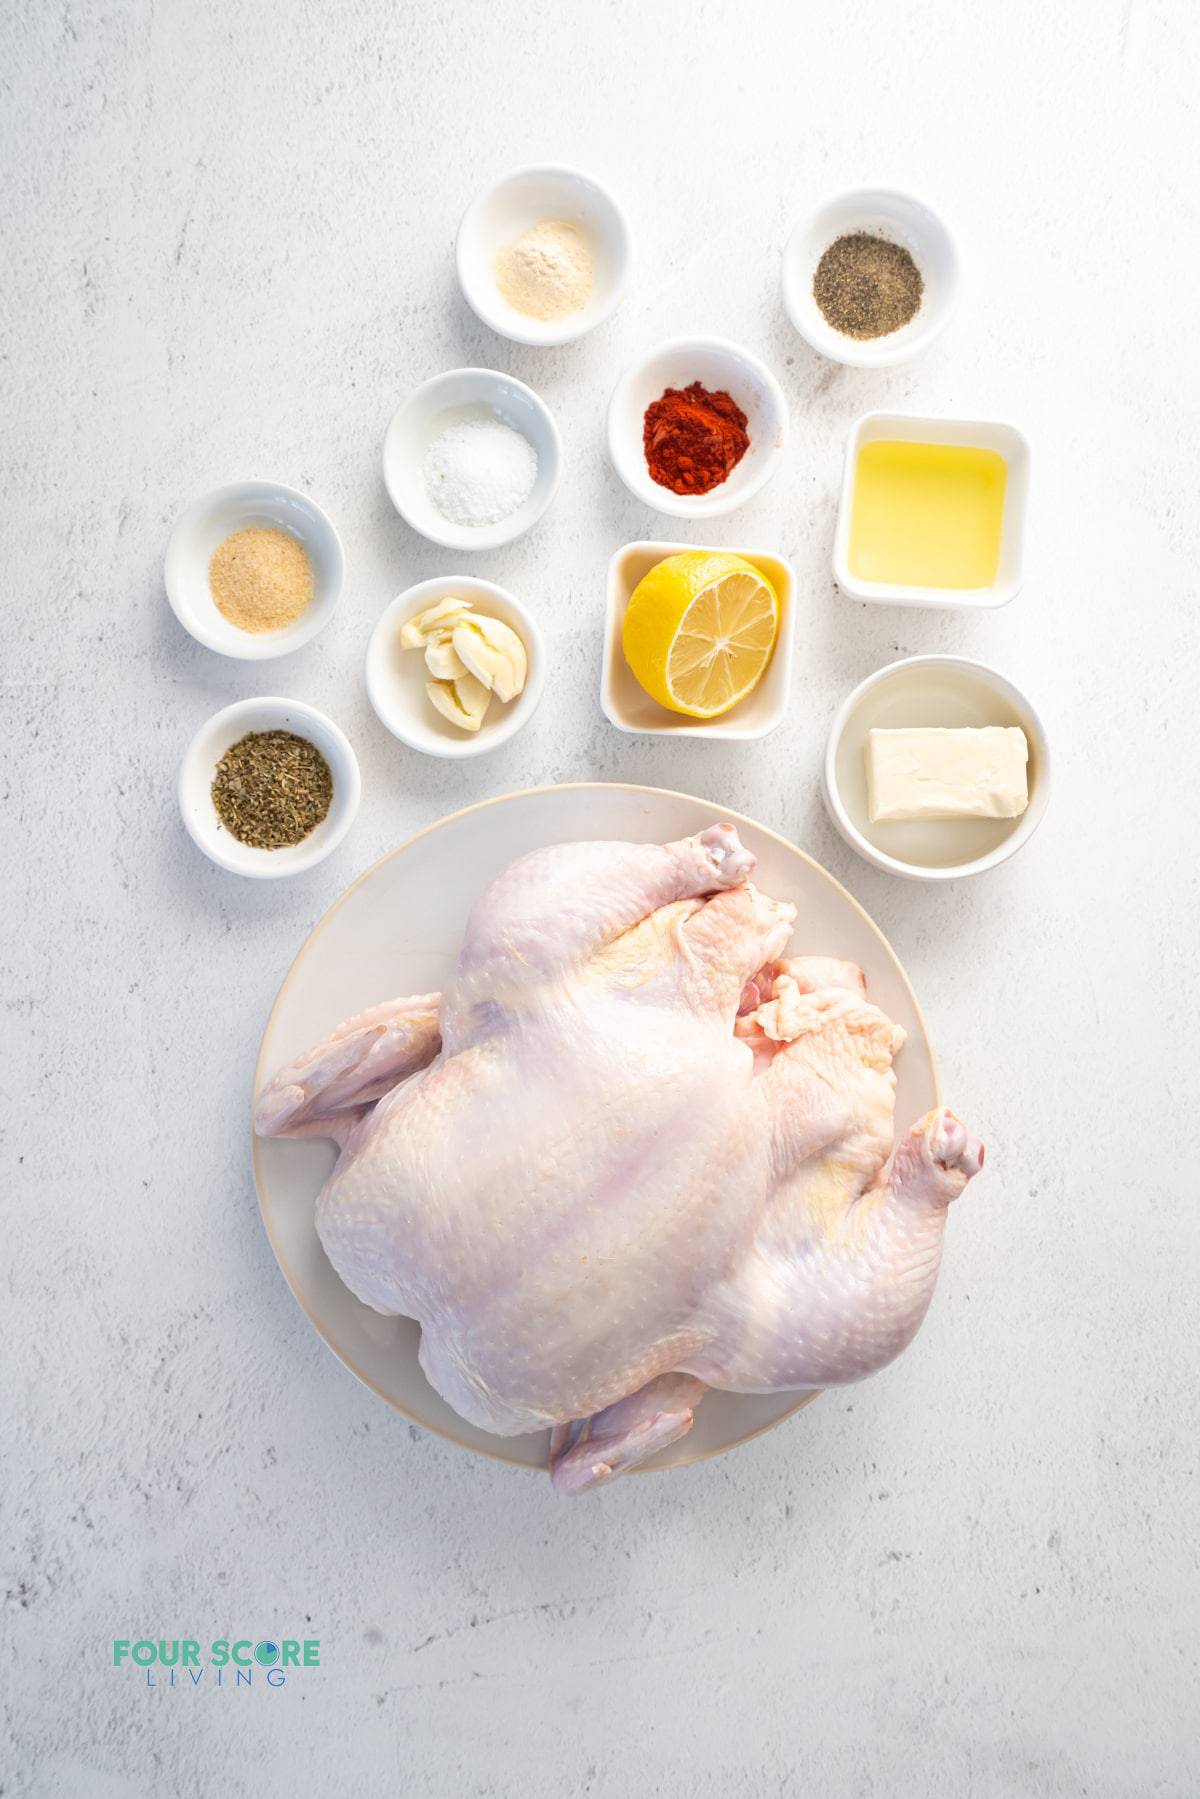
(867, 286)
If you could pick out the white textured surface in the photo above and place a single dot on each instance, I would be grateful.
(227, 241)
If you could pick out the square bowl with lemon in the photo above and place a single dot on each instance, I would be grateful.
(697, 642)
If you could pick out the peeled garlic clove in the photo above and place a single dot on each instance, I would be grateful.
(463, 702)
(473, 697)
(446, 613)
(441, 658)
(494, 654)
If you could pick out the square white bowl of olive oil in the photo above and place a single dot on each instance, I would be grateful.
(932, 511)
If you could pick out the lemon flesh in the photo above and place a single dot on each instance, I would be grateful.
(699, 631)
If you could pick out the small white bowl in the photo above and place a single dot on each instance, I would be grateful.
(979, 434)
(205, 526)
(436, 404)
(396, 678)
(716, 364)
(512, 206)
(200, 766)
(882, 212)
(931, 690)
(629, 707)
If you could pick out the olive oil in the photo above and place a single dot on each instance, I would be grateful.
(927, 515)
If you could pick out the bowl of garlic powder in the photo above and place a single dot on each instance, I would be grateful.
(254, 569)
(543, 254)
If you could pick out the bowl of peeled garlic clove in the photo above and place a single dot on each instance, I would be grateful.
(413, 651)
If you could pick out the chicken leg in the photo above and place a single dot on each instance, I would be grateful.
(839, 1285)
(550, 912)
(624, 1435)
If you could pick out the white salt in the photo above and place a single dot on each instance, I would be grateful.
(478, 470)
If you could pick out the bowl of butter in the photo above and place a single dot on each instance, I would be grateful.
(937, 767)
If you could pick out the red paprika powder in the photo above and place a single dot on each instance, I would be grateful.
(693, 438)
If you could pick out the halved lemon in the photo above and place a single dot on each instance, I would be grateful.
(699, 631)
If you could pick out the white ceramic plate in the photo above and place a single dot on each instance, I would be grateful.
(397, 930)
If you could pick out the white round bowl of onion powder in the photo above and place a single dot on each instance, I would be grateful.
(543, 254)
(472, 459)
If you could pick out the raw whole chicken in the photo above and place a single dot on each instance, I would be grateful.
(632, 1152)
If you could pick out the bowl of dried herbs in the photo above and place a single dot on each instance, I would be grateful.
(269, 787)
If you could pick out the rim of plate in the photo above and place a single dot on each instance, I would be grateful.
(673, 793)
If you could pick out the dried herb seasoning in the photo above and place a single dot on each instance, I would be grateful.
(271, 789)
(867, 286)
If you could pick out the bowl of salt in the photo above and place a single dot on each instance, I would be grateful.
(472, 459)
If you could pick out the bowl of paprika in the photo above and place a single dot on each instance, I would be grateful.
(696, 427)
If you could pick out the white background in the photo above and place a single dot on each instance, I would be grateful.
(227, 236)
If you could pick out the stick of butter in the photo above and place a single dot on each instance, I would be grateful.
(936, 773)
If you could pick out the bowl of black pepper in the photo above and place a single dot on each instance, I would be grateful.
(268, 787)
(871, 277)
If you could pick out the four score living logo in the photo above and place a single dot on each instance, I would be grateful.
(227, 1662)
